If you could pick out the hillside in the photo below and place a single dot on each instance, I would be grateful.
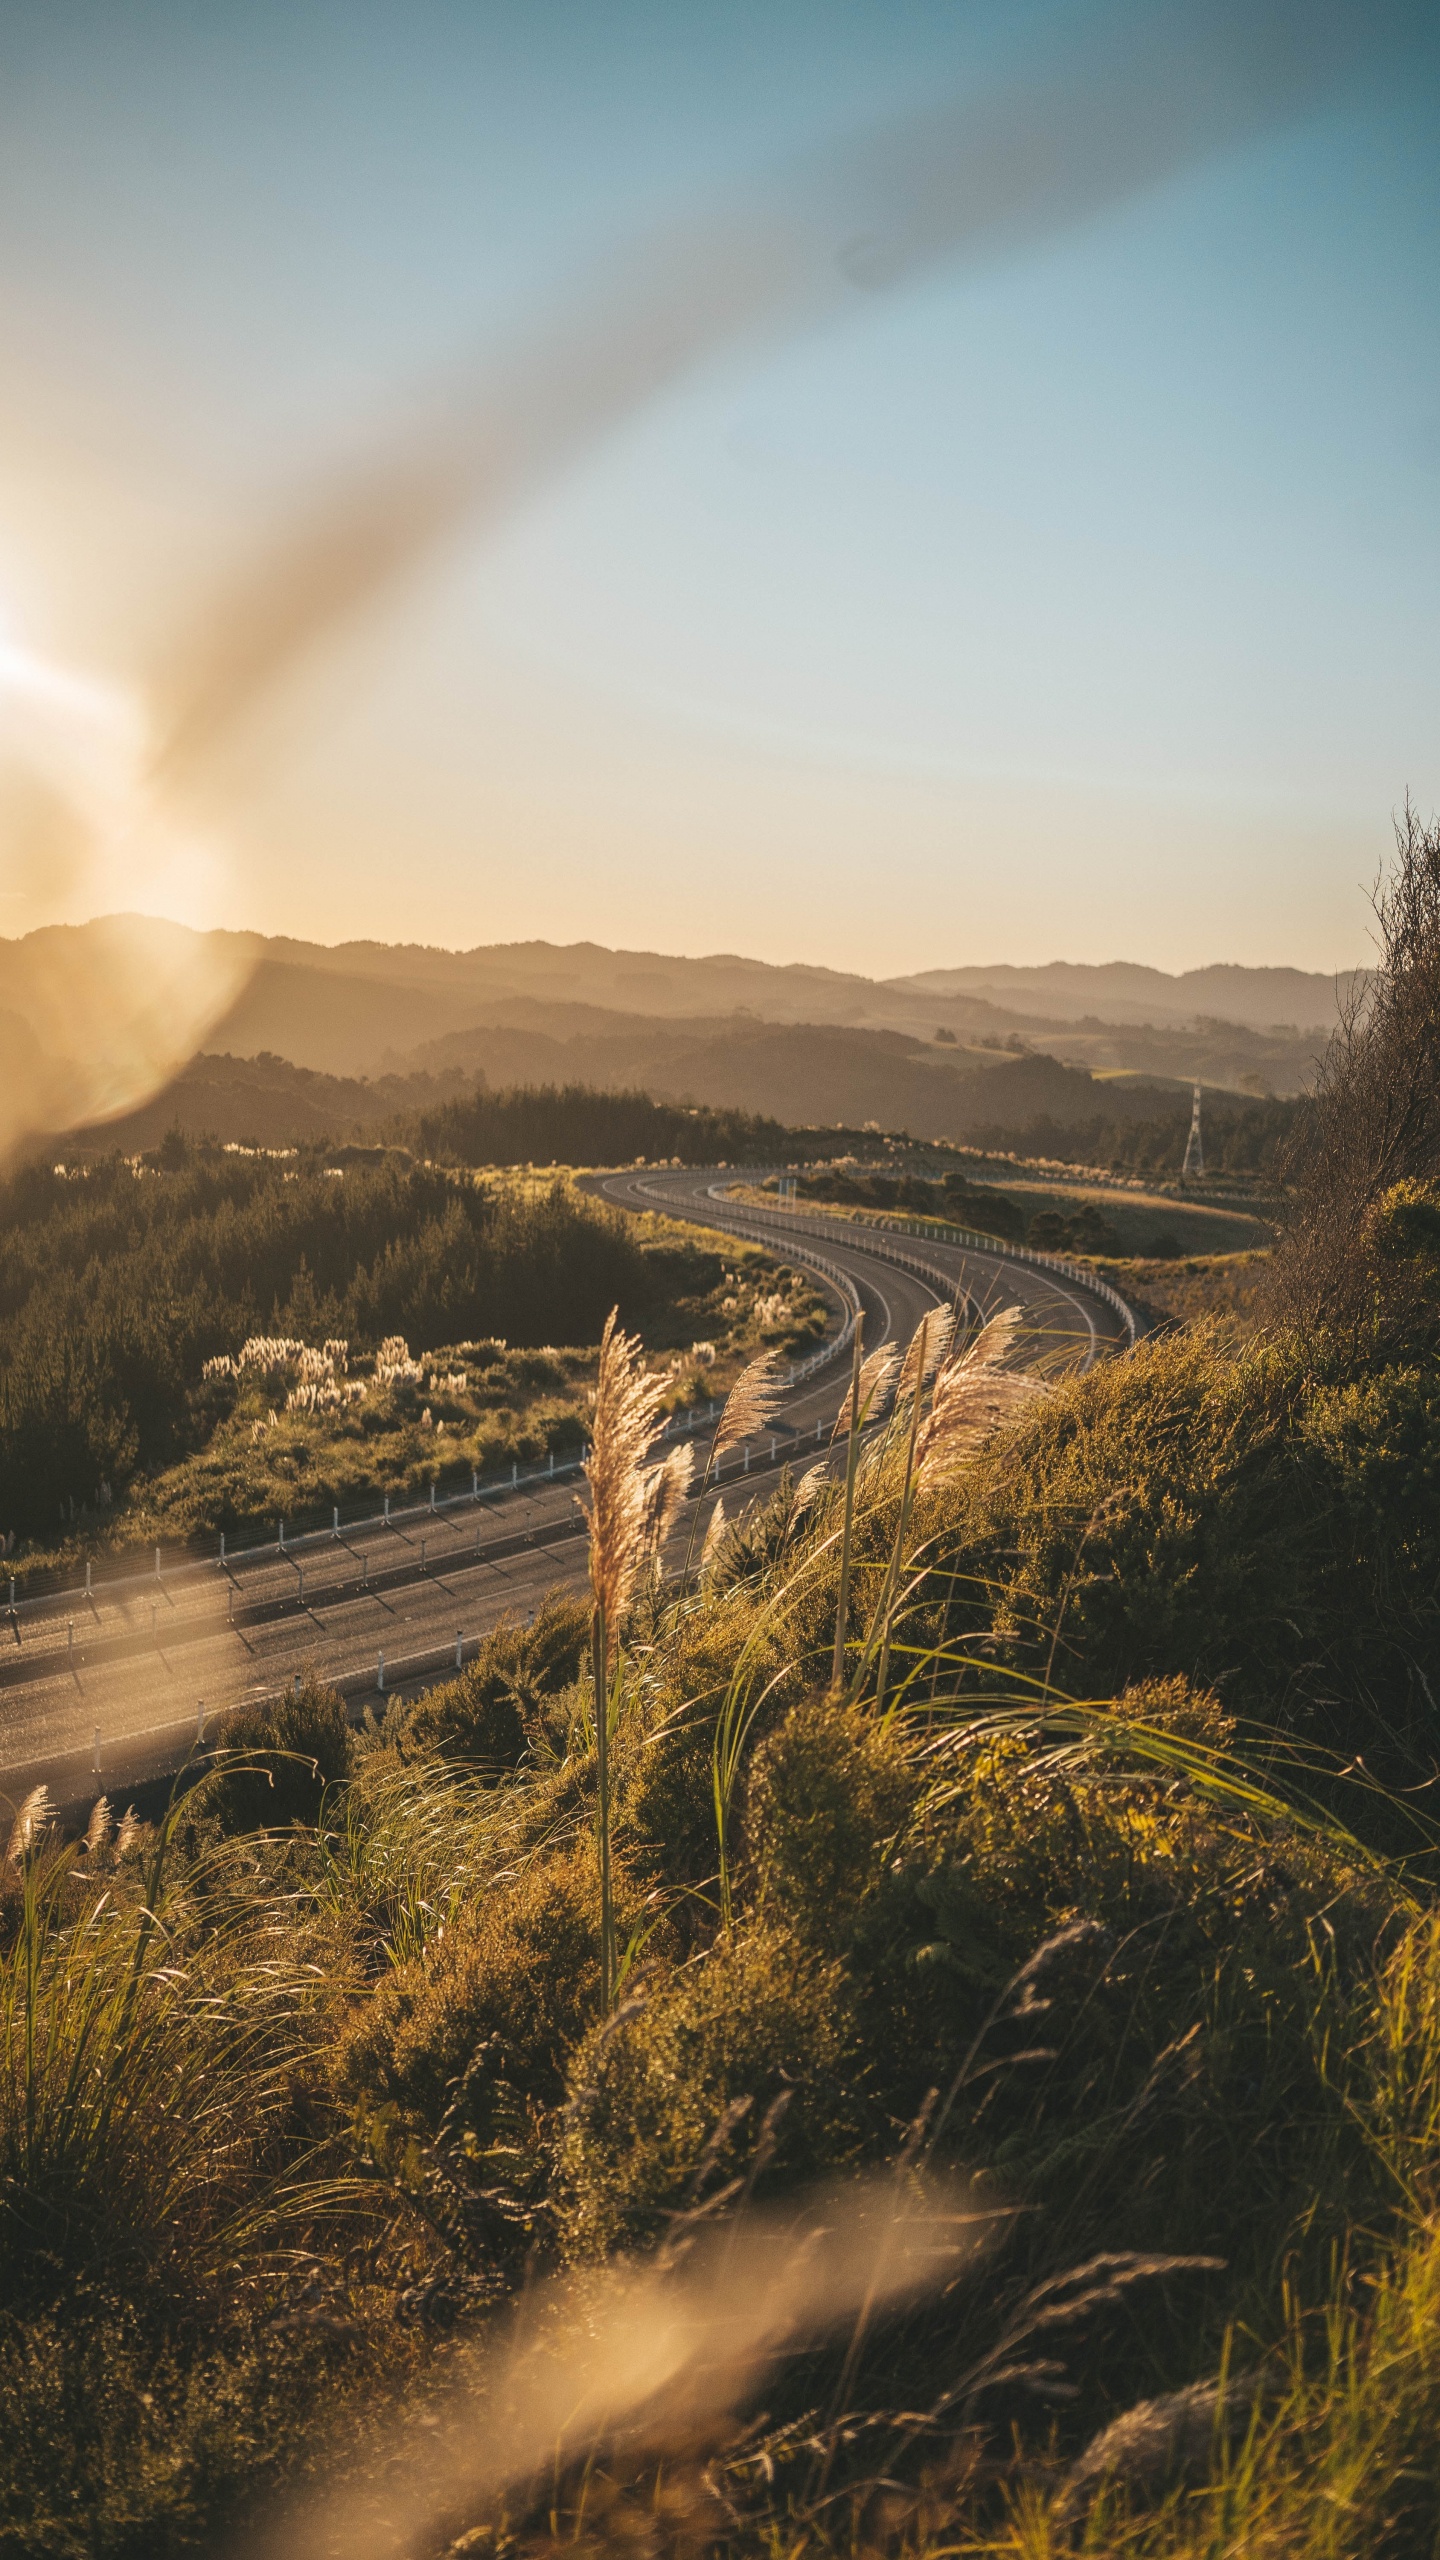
(801, 1075)
(1119, 991)
(369, 1010)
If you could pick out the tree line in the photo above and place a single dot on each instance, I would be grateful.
(576, 1124)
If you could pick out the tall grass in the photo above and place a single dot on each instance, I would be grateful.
(151, 2030)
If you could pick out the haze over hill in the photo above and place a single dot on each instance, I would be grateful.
(1123, 991)
(366, 1008)
(932, 1053)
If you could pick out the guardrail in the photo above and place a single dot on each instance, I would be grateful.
(783, 1222)
(968, 1237)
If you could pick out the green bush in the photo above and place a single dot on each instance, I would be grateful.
(275, 1762)
(1268, 1530)
(763, 2019)
(477, 2036)
(828, 1796)
(505, 1705)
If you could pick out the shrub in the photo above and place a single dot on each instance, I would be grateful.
(828, 1796)
(762, 2019)
(476, 2038)
(276, 1762)
(1265, 1529)
(503, 1706)
(1373, 1129)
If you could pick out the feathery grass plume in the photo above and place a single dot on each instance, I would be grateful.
(628, 1404)
(876, 1376)
(622, 1511)
(99, 1828)
(749, 1405)
(974, 1394)
(35, 1814)
(812, 1484)
(129, 1832)
(713, 1536)
(929, 1344)
(665, 1488)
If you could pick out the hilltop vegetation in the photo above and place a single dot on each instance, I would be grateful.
(572, 1124)
(764, 1091)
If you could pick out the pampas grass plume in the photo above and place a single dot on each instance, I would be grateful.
(627, 1414)
(929, 1344)
(974, 1394)
(876, 1375)
(750, 1403)
(34, 1814)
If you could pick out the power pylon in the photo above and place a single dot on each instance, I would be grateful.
(1194, 1152)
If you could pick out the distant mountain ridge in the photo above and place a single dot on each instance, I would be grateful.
(805, 1044)
(1124, 991)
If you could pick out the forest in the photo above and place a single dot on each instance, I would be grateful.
(576, 1124)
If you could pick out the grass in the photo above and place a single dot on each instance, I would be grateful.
(1226, 1288)
(1090, 1914)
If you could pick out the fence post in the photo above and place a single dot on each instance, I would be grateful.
(552, 1462)
(380, 1673)
(334, 1519)
(87, 1577)
(432, 1493)
(282, 1537)
(474, 1484)
(387, 1510)
(515, 1471)
(422, 1555)
(222, 1550)
(459, 1648)
(157, 1564)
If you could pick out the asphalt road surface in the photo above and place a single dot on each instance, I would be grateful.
(110, 1691)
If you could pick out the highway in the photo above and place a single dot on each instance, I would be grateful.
(105, 1692)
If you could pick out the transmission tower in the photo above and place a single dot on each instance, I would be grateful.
(1194, 1152)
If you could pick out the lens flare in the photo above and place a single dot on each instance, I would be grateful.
(94, 1018)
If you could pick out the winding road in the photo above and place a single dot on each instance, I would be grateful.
(109, 1690)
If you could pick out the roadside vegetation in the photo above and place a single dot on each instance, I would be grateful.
(222, 1338)
(916, 2034)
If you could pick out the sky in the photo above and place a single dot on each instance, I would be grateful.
(1007, 532)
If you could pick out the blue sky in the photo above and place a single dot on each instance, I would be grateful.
(1067, 597)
